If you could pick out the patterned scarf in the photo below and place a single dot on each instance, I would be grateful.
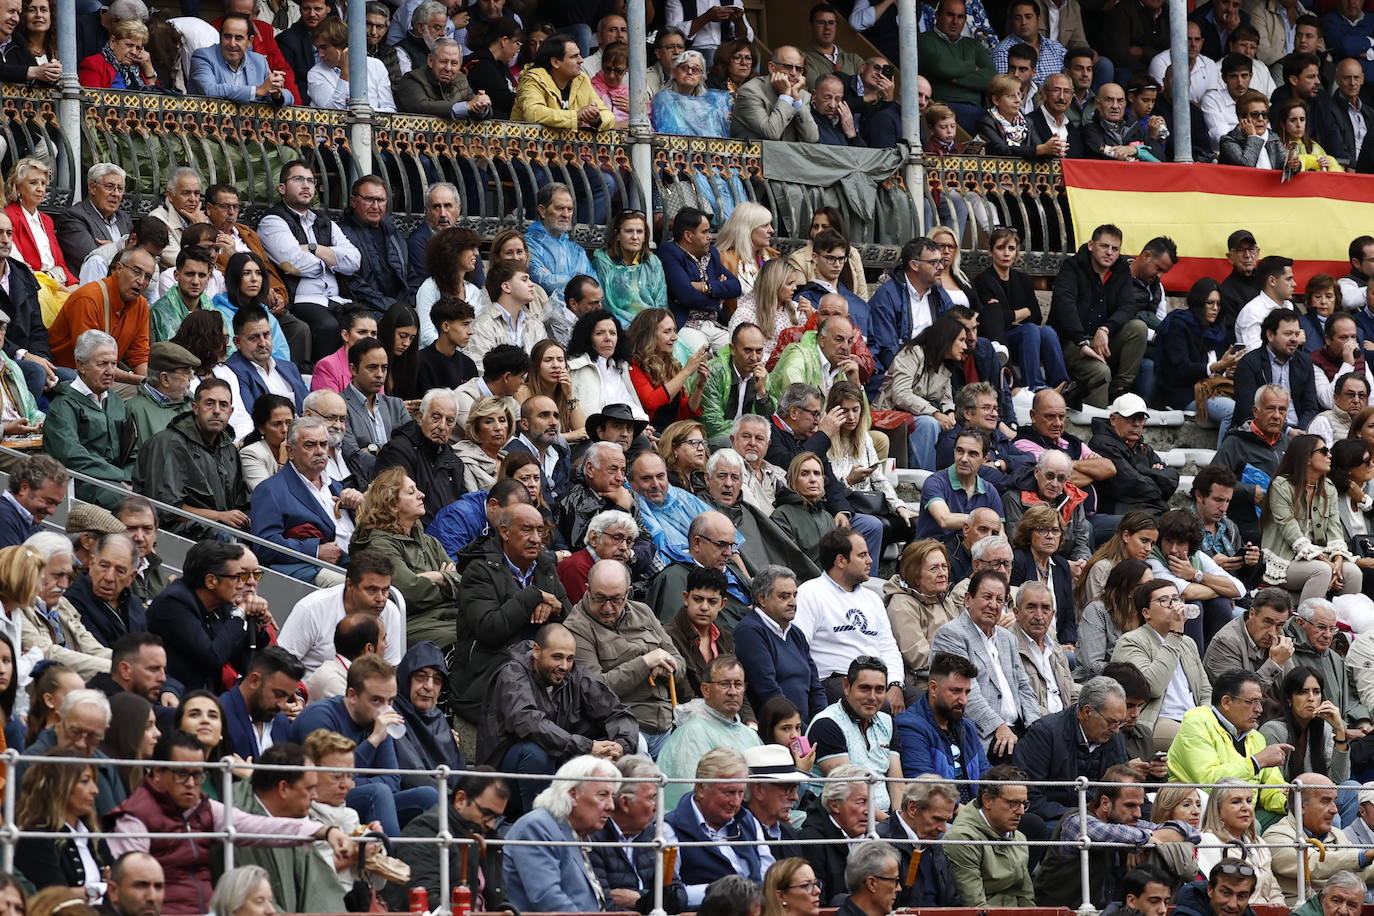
(130, 74)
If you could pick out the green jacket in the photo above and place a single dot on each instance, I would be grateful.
(431, 610)
(720, 380)
(99, 442)
(988, 876)
(166, 314)
(805, 523)
(1203, 751)
(958, 70)
(151, 415)
(179, 468)
(300, 879)
(1337, 685)
(799, 362)
(17, 390)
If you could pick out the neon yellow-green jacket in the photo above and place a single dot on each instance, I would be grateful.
(1203, 752)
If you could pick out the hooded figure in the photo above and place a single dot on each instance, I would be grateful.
(428, 740)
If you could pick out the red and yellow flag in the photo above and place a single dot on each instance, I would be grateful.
(1311, 218)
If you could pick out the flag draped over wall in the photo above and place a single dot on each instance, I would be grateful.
(1310, 218)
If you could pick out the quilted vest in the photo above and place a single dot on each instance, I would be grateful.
(186, 863)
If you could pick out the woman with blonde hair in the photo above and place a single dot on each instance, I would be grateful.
(803, 260)
(745, 243)
(35, 237)
(683, 449)
(243, 891)
(21, 571)
(659, 379)
(122, 63)
(918, 603)
(953, 280)
(389, 522)
(1229, 819)
(549, 377)
(60, 798)
(488, 429)
(853, 458)
(800, 509)
(771, 305)
(790, 888)
(631, 275)
(1179, 810)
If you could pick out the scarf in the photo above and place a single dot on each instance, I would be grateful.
(1016, 131)
(130, 74)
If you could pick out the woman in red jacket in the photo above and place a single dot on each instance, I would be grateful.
(35, 241)
(122, 63)
(659, 380)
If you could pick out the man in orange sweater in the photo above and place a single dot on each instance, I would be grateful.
(115, 305)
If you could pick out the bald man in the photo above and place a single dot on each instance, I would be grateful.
(542, 710)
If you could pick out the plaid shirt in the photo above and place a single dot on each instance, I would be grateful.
(1100, 831)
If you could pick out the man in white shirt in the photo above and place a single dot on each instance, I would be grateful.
(1275, 277)
(714, 24)
(312, 250)
(1046, 664)
(1203, 73)
(841, 619)
(257, 370)
(1219, 104)
(609, 29)
(308, 632)
(511, 319)
(180, 208)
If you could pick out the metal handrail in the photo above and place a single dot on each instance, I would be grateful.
(10, 834)
(231, 534)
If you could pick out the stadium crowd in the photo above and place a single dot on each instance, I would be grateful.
(601, 517)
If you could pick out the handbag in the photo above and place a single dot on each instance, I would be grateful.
(1218, 386)
(868, 502)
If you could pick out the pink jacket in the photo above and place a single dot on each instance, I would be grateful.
(332, 372)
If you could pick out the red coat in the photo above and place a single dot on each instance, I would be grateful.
(265, 43)
(95, 72)
(27, 247)
(574, 572)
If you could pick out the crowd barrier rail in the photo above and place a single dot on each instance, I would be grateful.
(224, 769)
(498, 165)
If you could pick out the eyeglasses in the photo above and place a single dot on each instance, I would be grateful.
(997, 564)
(690, 68)
(375, 201)
(303, 179)
(611, 600)
(617, 537)
(85, 734)
(727, 686)
(138, 272)
(617, 71)
(1257, 115)
(807, 886)
(1323, 628)
(1169, 601)
(329, 417)
(1249, 701)
(930, 260)
(895, 881)
(1113, 724)
(186, 777)
(488, 816)
(694, 443)
(110, 188)
(790, 68)
(1044, 531)
(722, 545)
(742, 59)
(1058, 478)
(1322, 450)
(246, 576)
(834, 258)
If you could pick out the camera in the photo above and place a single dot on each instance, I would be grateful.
(887, 70)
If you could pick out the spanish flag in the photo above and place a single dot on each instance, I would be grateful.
(1310, 218)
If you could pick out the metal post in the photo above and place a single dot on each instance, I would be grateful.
(872, 831)
(69, 107)
(359, 111)
(659, 876)
(227, 799)
(641, 133)
(445, 841)
(11, 830)
(1182, 128)
(1081, 786)
(1299, 839)
(911, 109)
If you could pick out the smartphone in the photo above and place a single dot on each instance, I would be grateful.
(1237, 347)
(1161, 755)
(801, 746)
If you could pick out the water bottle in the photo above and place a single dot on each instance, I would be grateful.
(1190, 612)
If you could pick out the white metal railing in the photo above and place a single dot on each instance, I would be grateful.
(10, 834)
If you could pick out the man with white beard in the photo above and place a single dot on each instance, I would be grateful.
(761, 479)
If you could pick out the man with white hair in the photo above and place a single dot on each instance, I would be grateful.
(52, 626)
(1046, 663)
(86, 425)
(82, 721)
(610, 536)
(622, 643)
(421, 448)
(1343, 895)
(764, 542)
(762, 478)
(442, 209)
(1260, 443)
(97, 220)
(301, 496)
(1313, 629)
(992, 552)
(844, 803)
(713, 812)
(330, 407)
(627, 875)
(542, 877)
(1051, 485)
(181, 206)
(602, 488)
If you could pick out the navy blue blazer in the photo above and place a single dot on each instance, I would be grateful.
(14, 528)
(242, 738)
(680, 272)
(252, 387)
(704, 864)
(280, 503)
(553, 488)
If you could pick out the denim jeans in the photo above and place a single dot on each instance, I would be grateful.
(1036, 349)
(922, 441)
(375, 801)
(871, 530)
(528, 757)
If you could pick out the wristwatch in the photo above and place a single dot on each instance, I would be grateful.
(1197, 577)
(311, 247)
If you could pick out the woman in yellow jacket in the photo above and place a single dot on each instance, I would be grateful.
(553, 90)
(1290, 121)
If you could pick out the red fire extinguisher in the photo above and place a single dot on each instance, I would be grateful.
(462, 900)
